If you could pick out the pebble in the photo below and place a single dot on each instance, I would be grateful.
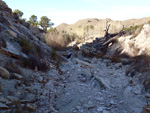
(147, 95)
(121, 102)
(100, 99)
(105, 111)
(112, 102)
(99, 93)
(78, 107)
(100, 109)
(31, 106)
(90, 103)
(3, 100)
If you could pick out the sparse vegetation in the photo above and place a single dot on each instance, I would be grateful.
(59, 40)
(133, 30)
(53, 54)
(26, 45)
(32, 62)
(45, 22)
(20, 13)
(33, 20)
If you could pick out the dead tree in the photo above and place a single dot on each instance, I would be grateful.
(112, 38)
(109, 35)
(107, 28)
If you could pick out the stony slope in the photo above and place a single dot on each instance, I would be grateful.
(22, 57)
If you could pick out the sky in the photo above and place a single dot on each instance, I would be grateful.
(70, 11)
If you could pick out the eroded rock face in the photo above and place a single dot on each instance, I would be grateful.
(134, 46)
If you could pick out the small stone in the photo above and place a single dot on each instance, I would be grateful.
(78, 107)
(17, 76)
(100, 109)
(3, 106)
(90, 103)
(31, 106)
(147, 95)
(100, 99)
(101, 103)
(94, 60)
(108, 109)
(113, 86)
(83, 79)
(137, 90)
(95, 72)
(121, 102)
(99, 93)
(105, 111)
(19, 93)
(11, 98)
(103, 81)
(112, 102)
(4, 100)
(40, 79)
(81, 110)
(85, 106)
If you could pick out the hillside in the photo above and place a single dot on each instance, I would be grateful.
(99, 26)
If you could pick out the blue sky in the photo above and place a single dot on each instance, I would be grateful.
(70, 11)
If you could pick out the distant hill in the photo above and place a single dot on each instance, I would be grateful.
(96, 26)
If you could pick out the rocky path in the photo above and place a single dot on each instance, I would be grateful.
(98, 86)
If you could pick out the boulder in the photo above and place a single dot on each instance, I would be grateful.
(13, 34)
(13, 99)
(31, 106)
(17, 76)
(3, 106)
(146, 109)
(4, 73)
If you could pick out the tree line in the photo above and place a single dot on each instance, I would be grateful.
(44, 21)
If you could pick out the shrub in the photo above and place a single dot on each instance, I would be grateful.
(11, 67)
(24, 22)
(133, 30)
(33, 62)
(26, 45)
(53, 54)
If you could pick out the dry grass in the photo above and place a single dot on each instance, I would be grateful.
(58, 40)
(55, 40)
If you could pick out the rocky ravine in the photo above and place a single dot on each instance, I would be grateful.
(98, 86)
(78, 85)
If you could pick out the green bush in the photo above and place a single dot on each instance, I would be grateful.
(53, 54)
(134, 30)
(31, 62)
(26, 45)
